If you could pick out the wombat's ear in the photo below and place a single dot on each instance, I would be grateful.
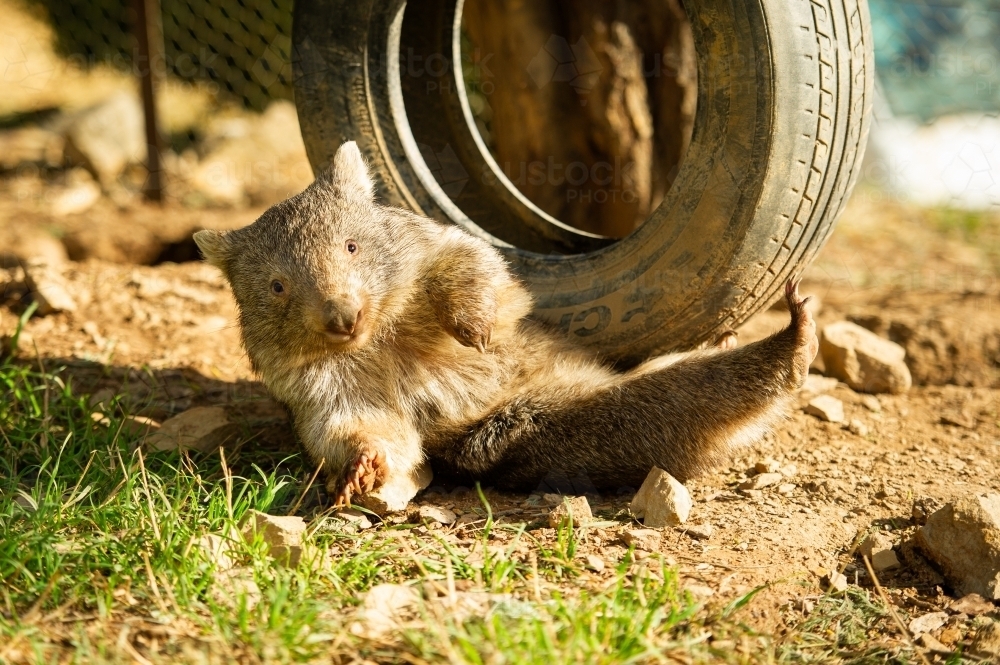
(349, 173)
(215, 246)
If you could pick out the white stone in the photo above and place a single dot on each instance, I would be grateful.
(48, 288)
(576, 508)
(818, 384)
(700, 531)
(76, 198)
(385, 609)
(963, 539)
(203, 428)
(281, 533)
(826, 407)
(642, 539)
(595, 563)
(108, 136)
(857, 427)
(661, 501)
(885, 560)
(761, 480)
(766, 466)
(353, 517)
(437, 514)
(863, 360)
(925, 623)
(874, 543)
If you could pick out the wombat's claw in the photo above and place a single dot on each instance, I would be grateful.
(805, 327)
(726, 341)
(362, 474)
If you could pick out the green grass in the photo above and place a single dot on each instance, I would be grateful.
(100, 562)
(100, 539)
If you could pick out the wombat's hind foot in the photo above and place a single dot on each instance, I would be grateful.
(362, 476)
(807, 344)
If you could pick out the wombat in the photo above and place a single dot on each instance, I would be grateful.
(394, 339)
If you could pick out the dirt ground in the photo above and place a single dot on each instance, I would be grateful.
(165, 336)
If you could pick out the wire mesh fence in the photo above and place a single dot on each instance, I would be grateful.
(241, 46)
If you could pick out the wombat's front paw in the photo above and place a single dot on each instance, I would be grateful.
(363, 474)
(477, 336)
(807, 344)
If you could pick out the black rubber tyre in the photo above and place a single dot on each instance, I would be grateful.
(784, 100)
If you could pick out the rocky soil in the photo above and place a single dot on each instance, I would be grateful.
(790, 513)
(121, 302)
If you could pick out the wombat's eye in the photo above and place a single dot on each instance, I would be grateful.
(277, 288)
(352, 247)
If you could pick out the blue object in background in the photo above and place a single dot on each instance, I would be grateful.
(936, 59)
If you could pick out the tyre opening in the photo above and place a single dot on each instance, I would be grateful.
(586, 107)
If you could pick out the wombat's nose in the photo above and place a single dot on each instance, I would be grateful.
(342, 317)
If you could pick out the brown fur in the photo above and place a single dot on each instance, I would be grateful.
(443, 362)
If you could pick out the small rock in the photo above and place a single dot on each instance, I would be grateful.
(78, 196)
(437, 514)
(766, 466)
(231, 586)
(108, 136)
(700, 591)
(468, 518)
(884, 491)
(385, 608)
(218, 550)
(863, 360)
(835, 581)
(972, 604)
(857, 427)
(925, 623)
(661, 501)
(700, 531)
(826, 407)
(871, 403)
(931, 643)
(642, 539)
(875, 542)
(281, 534)
(963, 539)
(595, 563)
(961, 419)
(987, 640)
(818, 384)
(761, 480)
(552, 499)
(48, 288)
(789, 470)
(884, 560)
(353, 517)
(396, 494)
(574, 508)
(786, 488)
(203, 428)
(924, 507)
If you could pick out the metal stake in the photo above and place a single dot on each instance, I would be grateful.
(149, 41)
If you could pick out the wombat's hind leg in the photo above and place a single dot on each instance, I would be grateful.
(362, 475)
(807, 344)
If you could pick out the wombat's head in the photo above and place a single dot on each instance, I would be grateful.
(317, 274)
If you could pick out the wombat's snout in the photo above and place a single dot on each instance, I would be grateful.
(341, 318)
